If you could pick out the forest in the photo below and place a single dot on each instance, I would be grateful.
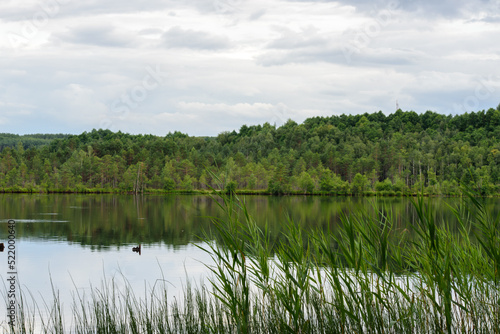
(398, 154)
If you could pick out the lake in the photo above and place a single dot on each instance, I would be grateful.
(70, 243)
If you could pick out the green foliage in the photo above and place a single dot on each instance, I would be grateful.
(399, 185)
(169, 184)
(279, 185)
(188, 183)
(28, 141)
(231, 187)
(306, 182)
(252, 181)
(386, 185)
(359, 184)
(347, 154)
(326, 184)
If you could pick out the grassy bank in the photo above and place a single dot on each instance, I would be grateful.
(241, 192)
(366, 277)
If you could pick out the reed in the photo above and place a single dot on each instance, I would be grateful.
(367, 276)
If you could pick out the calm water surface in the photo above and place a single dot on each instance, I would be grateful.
(73, 242)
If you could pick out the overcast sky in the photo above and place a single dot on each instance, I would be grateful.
(206, 66)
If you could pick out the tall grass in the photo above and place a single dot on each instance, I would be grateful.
(367, 276)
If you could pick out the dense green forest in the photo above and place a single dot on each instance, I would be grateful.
(401, 153)
(11, 140)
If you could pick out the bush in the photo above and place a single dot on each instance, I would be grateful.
(169, 184)
(386, 185)
(231, 187)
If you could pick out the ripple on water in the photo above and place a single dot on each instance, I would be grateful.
(35, 221)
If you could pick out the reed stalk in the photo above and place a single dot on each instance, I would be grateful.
(366, 276)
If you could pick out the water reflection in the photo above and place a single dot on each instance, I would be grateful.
(75, 242)
(101, 221)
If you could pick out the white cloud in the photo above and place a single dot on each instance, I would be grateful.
(178, 37)
(77, 104)
(100, 35)
(226, 63)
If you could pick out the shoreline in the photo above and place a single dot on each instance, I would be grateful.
(237, 192)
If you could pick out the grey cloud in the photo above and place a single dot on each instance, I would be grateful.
(292, 40)
(178, 37)
(63, 8)
(488, 19)
(308, 46)
(338, 55)
(96, 35)
(257, 14)
(151, 31)
(276, 58)
(443, 8)
(389, 57)
(15, 11)
(453, 101)
(415, 59)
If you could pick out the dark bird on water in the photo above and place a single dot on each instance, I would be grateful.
(2, 247)
(137, 249)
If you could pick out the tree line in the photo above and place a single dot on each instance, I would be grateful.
(34, 140)
(397, 154)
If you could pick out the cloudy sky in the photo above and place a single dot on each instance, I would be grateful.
(207, 66)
